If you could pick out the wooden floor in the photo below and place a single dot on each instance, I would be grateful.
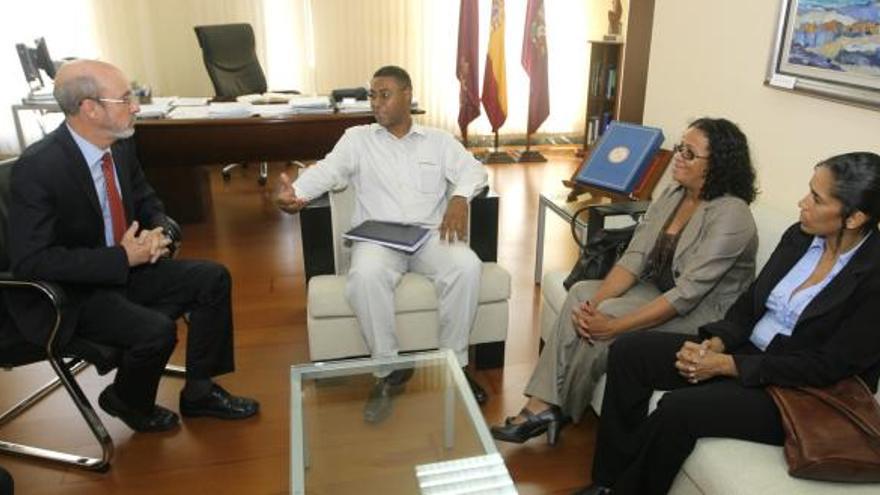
(261, 247)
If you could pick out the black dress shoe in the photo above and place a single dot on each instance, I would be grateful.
(549, 420)
(378, 406)
(593, 490)
(161, 419)
(479, 392)
(219, 404)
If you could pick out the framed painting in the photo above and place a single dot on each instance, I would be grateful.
(830, 48)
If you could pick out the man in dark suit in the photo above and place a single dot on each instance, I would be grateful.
(83, 215)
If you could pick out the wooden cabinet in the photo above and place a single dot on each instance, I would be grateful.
(603, 88)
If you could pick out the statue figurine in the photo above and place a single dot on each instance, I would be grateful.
(614, 16)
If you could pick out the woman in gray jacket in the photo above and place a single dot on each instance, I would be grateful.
(689, 258)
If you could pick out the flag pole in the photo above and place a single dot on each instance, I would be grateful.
(529, 155)
(496, 155)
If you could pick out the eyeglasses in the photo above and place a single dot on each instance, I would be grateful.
(686, 152)
(125, 100)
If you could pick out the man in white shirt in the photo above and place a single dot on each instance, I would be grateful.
(401, 172)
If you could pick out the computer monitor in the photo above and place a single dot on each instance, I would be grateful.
(42, 58)
(29, 66)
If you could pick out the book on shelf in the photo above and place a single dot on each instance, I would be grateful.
(597, 79)
(401, 236)
(621, 157)
(611, 87)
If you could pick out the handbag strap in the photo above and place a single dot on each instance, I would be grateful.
(846, 396)
(584, 241)
(581, 241)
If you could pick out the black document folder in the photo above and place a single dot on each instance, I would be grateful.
(401, 236)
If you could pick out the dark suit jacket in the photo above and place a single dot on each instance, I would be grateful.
(836, 336)
(56, 230)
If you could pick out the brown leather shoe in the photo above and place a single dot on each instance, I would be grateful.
(161, 419)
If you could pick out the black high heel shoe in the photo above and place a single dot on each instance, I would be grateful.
(549, 420)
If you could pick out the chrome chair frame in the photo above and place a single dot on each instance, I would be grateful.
(65, 371)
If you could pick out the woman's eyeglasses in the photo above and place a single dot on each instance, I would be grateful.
(686, 152)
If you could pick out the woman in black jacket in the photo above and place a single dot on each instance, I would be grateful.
(810, 318)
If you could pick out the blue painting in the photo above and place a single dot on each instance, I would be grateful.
(834, 40)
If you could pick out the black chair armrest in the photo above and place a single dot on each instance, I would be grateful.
(54, 295)
(171, 229)
(53, 292)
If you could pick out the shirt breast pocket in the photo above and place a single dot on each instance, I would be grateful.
(430, 177)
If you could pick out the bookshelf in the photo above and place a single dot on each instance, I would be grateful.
(603, 88)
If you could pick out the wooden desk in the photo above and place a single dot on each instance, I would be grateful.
(170, 149)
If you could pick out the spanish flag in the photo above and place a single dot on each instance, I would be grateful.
(494, 79)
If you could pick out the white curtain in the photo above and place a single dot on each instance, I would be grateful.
(355, 37)
(69, 30)
(310, 45)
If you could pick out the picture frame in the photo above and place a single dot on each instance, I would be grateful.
(828, 48)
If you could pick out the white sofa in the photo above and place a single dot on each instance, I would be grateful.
(721, 466)
(333, 329)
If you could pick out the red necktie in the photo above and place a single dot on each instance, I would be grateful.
(117, 211)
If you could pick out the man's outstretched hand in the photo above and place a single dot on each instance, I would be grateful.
(286, 198)
(455, 221)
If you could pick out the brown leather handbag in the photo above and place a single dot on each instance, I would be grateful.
(831, 433)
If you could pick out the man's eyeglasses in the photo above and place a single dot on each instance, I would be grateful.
(686, 152)
(124, 100)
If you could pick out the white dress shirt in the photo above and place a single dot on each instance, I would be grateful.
(396, 179)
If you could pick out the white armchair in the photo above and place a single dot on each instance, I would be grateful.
(333, 329)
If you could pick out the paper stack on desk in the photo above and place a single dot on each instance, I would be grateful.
(190, 101)
(153, 110)
(354, 106)
(265, 98)
(189, 112)
(311, 104)
(229, 110)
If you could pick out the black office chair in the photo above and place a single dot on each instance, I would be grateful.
(66, 362)
(230, 56)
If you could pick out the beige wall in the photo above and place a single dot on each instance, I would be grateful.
(710, 57)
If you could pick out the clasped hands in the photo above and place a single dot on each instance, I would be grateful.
(146, 246)
(592, 324)
(697, 362)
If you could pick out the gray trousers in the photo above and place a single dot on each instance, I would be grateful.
(569, 367)
(375, 272)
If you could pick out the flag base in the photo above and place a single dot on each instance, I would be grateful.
(531, 156)
(497, 157)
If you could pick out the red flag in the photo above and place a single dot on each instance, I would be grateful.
(466, 65)
(534, 61)
(494, 75)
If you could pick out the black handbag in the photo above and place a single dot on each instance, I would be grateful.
(602, 247)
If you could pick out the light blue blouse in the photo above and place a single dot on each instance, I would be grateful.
(783, 307)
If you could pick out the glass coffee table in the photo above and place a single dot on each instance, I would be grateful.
(435, 419)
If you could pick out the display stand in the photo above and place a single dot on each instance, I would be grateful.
(641, 192)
